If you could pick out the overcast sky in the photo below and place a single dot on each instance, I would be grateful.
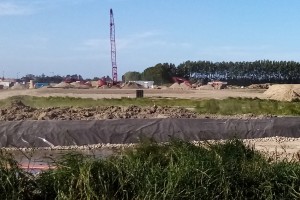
(72, 36)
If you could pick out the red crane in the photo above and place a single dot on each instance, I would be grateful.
(113, 48)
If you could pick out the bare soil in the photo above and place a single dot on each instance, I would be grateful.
(18, 111)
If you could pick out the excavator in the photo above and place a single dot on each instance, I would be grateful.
(180, 80)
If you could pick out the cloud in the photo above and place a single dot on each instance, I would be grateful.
(146, 40)
(12, 9)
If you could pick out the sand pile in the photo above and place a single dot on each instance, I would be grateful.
(182, 86)
(80, 85)
(163, 87)
(104, 87)
(132, 85)
(185, 86)
(18, 86)
(63, 85)
(259, 86)
(284, 92)
(114, 87)
(175, 86)
(205, 87)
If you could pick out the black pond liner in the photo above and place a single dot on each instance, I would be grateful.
(33, 133)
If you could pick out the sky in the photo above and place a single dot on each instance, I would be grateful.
(61, 37)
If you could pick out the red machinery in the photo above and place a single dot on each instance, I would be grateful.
(180, 80)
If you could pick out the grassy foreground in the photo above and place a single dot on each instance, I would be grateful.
(177, 170)
(230, 106)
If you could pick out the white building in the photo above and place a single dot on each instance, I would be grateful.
(146, 84)
(7, 82)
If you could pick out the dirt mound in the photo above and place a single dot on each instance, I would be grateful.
(175, 86)
(18, 111)
(18, 86)
(63, 85)
(132, 85)
(17, 104)
(185, 86)
(80, 85)
(181, 86)
(284, 92)
(104, 87)
(259, 86)
(115, 87)
(205, 87)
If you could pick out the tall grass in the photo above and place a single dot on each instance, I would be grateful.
(177, 170)
(15, 183)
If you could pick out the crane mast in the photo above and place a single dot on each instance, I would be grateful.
(113, 48)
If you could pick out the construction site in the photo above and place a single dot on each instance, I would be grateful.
(104, 130)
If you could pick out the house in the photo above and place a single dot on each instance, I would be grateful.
(6, 83)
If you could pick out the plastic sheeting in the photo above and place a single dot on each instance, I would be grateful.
(121, 131)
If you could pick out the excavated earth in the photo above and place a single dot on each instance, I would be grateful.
(18, 111)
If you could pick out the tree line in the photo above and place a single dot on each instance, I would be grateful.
(235, 73)
(55, 78)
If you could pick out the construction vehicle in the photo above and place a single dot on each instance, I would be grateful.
(217, 84)
(180, 80)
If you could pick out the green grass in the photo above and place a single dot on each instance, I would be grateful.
(177, 170)
(256, 106)
(230, 106)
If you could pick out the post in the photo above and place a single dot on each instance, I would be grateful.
(139, 93)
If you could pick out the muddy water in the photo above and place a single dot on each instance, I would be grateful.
(42, 159)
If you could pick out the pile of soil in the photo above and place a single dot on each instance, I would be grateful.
(175, 86)
(284, 92)
(18, 111)
(132, 85)
(80, 86)
(104, 87)
(181, 86)
(259, 86)
(118, 87)
(18, 86)
(63, 85)
(184, 86)
(206, 87)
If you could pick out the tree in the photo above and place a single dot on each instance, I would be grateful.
(132, 76)
(160, 73)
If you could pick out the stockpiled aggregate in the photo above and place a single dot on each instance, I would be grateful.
(284, 92)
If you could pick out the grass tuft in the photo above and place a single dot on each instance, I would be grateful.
(175, 170)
